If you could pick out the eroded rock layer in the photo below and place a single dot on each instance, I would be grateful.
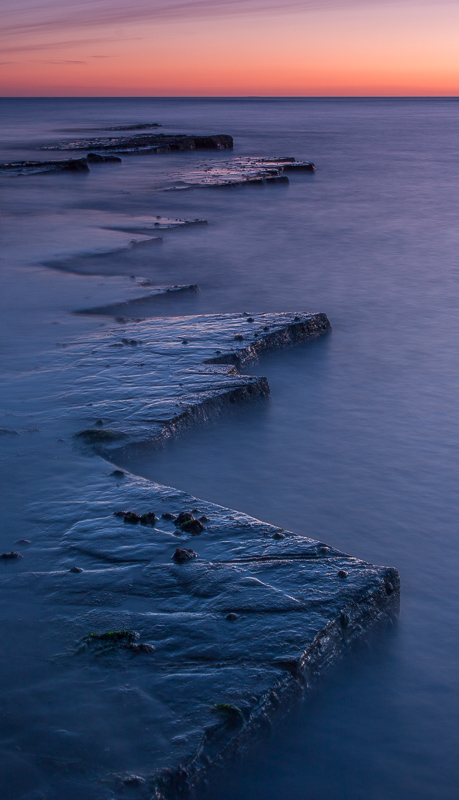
(186, 625)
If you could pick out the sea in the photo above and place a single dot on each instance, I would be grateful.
(358, 445)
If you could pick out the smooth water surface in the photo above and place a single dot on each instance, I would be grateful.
(358, 445)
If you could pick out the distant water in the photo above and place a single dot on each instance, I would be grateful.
(359, 445)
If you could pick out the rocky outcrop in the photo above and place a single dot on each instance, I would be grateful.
(194, 361)
(127, 306)
(202, 624)
(241, 171)
(148, 143)
(35, 167)
(202, 638)
(68, 165)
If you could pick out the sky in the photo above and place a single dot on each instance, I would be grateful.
(229, 48)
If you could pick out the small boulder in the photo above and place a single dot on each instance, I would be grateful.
(129, 517)
(11, 555)
(184, 554)
(148, 519)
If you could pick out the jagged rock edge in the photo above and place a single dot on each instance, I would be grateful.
(373, 610)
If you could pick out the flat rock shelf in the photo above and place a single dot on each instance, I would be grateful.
(192, 625)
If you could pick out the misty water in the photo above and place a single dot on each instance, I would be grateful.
(358, 445)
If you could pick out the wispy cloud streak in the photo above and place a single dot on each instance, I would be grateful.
(53, 15)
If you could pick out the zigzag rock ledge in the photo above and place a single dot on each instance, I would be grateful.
(180, 627)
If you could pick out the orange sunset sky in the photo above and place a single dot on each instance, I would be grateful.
(229, 47)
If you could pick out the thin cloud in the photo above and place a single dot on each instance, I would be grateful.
(51, 15)
(62, 61)
(60, 44)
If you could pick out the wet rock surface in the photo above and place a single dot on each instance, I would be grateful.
(202, 641)
(170, 386)
(128, 305)
(212, 645)
(37, 167)
(240, 171)
(148, 143)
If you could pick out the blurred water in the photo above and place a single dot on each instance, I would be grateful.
(359, 443)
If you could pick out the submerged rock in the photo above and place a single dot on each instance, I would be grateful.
(97, 436)
(11, 556)
(96, 158)
(183, 554)
(116, 640)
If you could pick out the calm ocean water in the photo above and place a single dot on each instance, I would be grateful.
(359, 445)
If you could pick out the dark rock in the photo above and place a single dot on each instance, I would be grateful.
(278, 535)
(221, 142)
(76, 569)
(231, 617)
(11, 555)
(344, 620)
(389, 588)
(118, 473)
(230, 715)
(131, 518)
(291, 665)
(148, 519)
(184, 516)
(92, 436)
(276, 179)
(130, 342)
(8, 432)
(142, 647)
(204, 518)
(184, 341)
(300, 166)
(148, 143)
(342, 573)
(142, 126)
(184, 554)
(96, 158)
(34, 167)
(239, 338)
(250, 319)
(73, 165)
(133, 780)
(111, 640)
(188, 523)
(193, 526)
(99, 423)
(167, 516)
